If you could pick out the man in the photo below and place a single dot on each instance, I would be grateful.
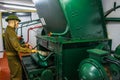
(13, 47)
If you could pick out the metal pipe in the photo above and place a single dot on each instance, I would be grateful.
(29, 25)
(113, 19)
(23, 23)
(111, 10)
(60, 34)
(112, 61)
(21, 31)
(29, 21)
(29, 31)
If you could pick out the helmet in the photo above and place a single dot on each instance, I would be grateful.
(12, 17)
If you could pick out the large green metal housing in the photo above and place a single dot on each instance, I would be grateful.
(84, 18)
(76, 25)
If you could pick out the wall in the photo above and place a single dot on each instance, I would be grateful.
(113, 28)
(1, 41)
(32, 37)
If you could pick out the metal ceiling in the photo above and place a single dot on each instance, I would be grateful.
(27, 3)
(22, 2)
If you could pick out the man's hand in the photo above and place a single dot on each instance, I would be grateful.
(28, 45)
(34, 51)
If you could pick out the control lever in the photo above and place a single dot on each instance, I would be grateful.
(36, 46)
(41, 56)
(40, 59)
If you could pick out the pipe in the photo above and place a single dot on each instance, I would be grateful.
(111, 10)
(29, 24)
(60, 34)
(29, 31)
(23, 23)
(113, 19)
(26, 22)
(21, 31)
(112, 61)
(29, 21)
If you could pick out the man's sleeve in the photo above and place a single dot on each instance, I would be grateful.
(15, 43)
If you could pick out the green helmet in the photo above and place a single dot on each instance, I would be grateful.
(12, 17)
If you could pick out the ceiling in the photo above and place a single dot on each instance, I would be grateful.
(25, 2)
(21, 3)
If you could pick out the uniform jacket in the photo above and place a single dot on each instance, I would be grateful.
(12, 43)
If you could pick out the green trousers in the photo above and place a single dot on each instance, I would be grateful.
(15, 67)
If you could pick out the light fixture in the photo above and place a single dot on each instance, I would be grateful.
(39, 1)
(1, 10)
(19, 7)
(35, 1)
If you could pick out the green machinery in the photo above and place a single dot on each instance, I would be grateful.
(100, 65)
(74, 34)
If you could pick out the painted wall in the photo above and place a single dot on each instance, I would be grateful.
(32, 37)
(1, 41)
(113, 28)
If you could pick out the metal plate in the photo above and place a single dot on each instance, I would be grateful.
(53, 16)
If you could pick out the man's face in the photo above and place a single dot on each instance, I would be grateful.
(13, 23)
(16, 23)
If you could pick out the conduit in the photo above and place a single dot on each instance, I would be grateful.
(28, 32)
